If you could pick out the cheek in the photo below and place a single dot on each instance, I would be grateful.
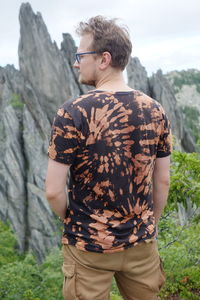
(82, 66)
(85, 69)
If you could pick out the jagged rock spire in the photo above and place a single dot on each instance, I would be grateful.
(42, 63)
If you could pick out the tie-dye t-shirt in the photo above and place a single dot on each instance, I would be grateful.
(111, 141)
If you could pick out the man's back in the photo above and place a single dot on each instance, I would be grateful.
(113, 140)
(116, 146)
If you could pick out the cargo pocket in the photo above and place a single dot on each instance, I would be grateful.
(69, 289)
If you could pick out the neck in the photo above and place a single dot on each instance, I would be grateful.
(113, 82)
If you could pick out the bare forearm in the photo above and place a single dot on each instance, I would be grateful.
(160, 194)
(58, 204)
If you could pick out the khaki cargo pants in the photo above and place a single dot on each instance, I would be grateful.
(137, 270)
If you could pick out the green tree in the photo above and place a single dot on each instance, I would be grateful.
(185, 179)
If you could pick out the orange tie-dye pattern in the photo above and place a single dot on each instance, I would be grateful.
(111, 141)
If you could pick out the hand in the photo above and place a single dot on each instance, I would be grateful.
(156, 234)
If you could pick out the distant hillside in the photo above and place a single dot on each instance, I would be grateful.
(186, 85)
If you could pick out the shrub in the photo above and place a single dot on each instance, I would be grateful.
(8, 252)
(16, 101)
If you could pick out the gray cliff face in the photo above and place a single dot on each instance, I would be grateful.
(23, 146)
(137, 76)
(163, 92)
(29, 99)
(40, 220)
(42, 63)
(12, 163)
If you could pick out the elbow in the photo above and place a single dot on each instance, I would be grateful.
(51, 193)
(163, 182)
(166, 181)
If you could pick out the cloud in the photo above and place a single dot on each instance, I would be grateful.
(159, 30)
(170, 54)
(157, 18)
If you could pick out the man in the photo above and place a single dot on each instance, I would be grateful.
(115, 142)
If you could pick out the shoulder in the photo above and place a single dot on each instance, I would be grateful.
(142, 97)
(74, 102)
(148, 103)
(75, 109)
(79, 108)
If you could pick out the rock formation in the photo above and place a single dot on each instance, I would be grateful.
(160, 89)
(186, 86)
(23, 162)
(42, 63)
(29, 99)
(137, 76)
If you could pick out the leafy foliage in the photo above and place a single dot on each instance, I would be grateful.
(18, 277)
(180, 252)
(185, 179)
(26, 280)
(8, 252)
(16, 101)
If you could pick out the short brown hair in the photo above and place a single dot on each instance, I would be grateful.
(108, 36)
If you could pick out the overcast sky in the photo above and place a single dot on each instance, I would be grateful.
(165, 34)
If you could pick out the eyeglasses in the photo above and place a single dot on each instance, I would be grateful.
(78, 55)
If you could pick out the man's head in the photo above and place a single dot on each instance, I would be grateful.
(103, 39)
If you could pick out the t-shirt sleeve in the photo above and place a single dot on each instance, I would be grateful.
(165, 140)
(64, 140)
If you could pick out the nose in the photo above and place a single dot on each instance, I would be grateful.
(76, 64)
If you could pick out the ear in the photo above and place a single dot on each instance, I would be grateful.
(105, 60)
